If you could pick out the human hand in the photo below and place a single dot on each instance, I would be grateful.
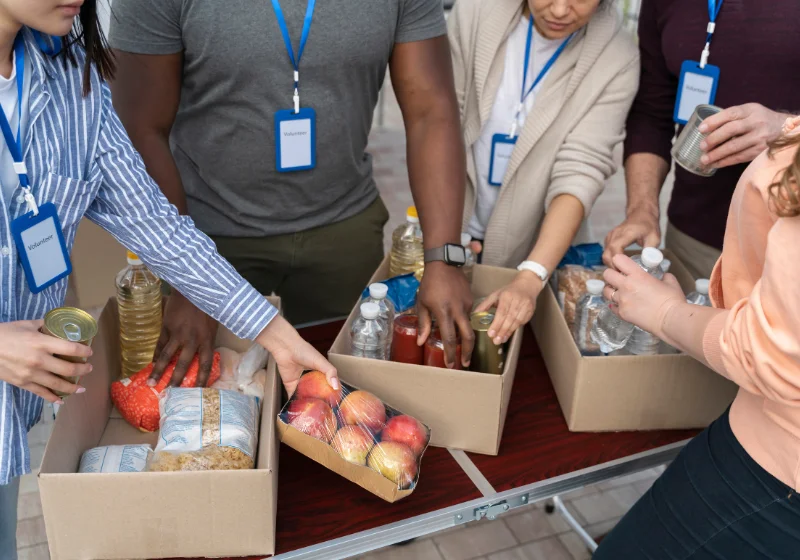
(640, 298)
(445, 294)
(191, 332)
(641, 226)
(738, 134)
(27, 360)
(293, 355)
(515, 305)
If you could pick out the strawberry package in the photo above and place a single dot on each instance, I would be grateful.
(137, 402)
(356, 435)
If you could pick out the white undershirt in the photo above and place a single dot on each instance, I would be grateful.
(503, 110)
(9, 180)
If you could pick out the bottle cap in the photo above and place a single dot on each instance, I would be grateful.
(466, 239)
(701, 285)
(378, 290)
(652, 257)
(370, 311)
(411, 215)
(595, 287)
(133, 259)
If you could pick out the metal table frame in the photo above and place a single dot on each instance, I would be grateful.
(490, 506)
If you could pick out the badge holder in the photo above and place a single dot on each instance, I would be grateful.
(502, 148)
(40, 243)
(697, 86)
(295, 140)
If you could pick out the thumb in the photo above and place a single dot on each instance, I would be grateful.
(672, 282)
(319, 363)
(423, 325)
(488, 303)
(652, 239)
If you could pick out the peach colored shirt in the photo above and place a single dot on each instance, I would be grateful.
(757, 343)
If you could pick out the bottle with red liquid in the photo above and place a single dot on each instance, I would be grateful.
(434, 352)
(404, 340)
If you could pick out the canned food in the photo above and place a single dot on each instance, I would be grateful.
(487, 357)
(404, 340)
(434, 351)
(687, 151)
(74, 325)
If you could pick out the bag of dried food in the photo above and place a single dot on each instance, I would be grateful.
(206, 429)
(115, 459)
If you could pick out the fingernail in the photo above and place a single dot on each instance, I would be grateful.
(151, 383)
(91, 368)
(702, 128)
(492, 333)
(80, 390)
(704, 160)
(335, 384)
(497, 340)
(59, 402)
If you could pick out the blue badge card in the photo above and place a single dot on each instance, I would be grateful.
(42, 251)
(502, 148)
(697, 86)
(295, 140)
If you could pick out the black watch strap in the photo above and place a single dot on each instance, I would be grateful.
(433, 255)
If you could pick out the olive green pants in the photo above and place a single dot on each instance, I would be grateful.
(318, 273)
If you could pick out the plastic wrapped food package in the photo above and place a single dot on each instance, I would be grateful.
(245, 373)
(206, 429)
(571, 285)
(359, 427)
(115, 459)
(137, 402)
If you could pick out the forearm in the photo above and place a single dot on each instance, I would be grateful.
(684, 327)
(561, 223)
(645, 174)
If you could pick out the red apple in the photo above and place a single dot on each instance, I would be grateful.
(313, 417)
(314, 385)
(407, 430)
(353, 443)
(363, 409)
(394, 461)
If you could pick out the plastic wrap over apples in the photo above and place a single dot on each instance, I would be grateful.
(359, 427)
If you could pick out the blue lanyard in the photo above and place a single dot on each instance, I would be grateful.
(15, 144)
(713, 13)
(47, 49)
(276, 5)
(548, 65)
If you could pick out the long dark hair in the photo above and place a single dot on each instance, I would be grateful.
(87, 33)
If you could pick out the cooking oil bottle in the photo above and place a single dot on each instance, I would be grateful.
(139, 299)
(408, 253)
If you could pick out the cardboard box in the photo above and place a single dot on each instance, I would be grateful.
(151, 515)
(97, 258)
(464, 410)
(618, 393)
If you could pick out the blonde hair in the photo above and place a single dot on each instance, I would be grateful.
(784, 192)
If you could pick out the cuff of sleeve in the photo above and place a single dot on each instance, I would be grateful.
(584, 188)
(658, 143)
(245, 312)
(712, 343)
(155, 48)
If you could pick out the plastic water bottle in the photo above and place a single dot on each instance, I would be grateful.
(609, 331)
(408, 253)
(641, 342)
(586, 311)
(700, 294)
(139, 300)
(368, 333)
(386, 313)
(469, 263)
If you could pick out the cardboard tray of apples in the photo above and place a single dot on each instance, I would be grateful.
(356, 435)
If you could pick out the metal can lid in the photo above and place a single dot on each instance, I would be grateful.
(482, 321)
(70, 323)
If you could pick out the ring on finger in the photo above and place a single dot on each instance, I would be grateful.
(614, 295)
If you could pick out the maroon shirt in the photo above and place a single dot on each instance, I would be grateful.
(756, 46)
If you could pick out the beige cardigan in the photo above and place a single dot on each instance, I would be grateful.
(568, 139)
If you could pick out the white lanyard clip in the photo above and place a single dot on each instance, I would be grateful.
(296, 96)
(32, 206)
(707, 49)
(515, 124)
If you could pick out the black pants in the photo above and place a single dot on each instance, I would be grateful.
(713, 502)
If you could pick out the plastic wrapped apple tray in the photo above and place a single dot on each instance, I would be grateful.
(356, 435)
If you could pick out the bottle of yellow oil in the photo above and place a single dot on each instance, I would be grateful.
(139, 299)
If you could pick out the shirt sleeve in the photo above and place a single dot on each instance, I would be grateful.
(146, 26)
(419, 20)
(755, 344)
(130, 206)
(650, 127)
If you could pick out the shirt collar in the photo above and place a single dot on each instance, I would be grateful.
(41, 63)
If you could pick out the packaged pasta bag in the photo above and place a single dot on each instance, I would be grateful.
(206, 429)
(115, 459)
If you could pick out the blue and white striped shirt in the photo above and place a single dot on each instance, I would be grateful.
(80, 159)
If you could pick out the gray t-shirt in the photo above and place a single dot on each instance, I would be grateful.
(237, 73)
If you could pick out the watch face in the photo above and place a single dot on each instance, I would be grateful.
(455, 255)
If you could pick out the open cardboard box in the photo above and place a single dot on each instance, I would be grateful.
(97, 258)
(618, 393)
(152, 515)
(464, 409)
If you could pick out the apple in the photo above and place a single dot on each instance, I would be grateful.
(313, 417)
(353, 443)
(407, 430)
(363, 409)
(314, 385)
(394, 461)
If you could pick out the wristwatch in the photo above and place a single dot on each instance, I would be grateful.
(538, 269)
(450, 253)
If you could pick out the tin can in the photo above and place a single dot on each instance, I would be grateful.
(74, 325)
(487, 357)
(686, 151)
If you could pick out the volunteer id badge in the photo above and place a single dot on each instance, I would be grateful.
(295, 140)
(502, 148)
(42, 251)
(697, 86)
